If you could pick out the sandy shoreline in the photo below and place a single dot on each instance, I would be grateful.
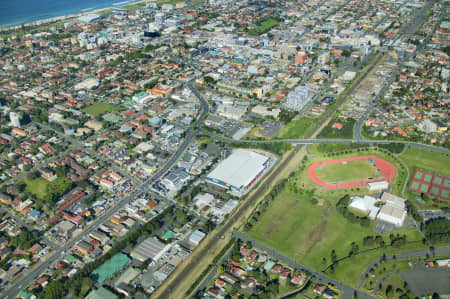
(69, 16)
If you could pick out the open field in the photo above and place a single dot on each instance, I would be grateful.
(308, 232)
(99, 108)
(41, 187)
(37, 187)
(426, 160)
(395, 282)
(264, 27)
(356, 170)
(345, 132)
(297, 128)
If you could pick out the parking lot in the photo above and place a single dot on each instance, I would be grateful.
(423, 281)
(381, 227)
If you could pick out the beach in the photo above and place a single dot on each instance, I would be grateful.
(81, 11)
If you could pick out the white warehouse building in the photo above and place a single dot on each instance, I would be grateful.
(239, 171)
(394, 210)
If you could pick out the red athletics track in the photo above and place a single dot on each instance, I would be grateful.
(386, 168)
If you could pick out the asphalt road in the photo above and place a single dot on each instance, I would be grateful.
(348, 290)
(334, 141)
(412, 26)
(405, 255)
(32, 275)
(226, 227)
(260, 189)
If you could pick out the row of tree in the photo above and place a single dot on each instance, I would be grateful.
(437, 231)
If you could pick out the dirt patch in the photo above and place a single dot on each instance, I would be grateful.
(314, 236)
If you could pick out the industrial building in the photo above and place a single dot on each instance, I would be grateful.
(394, 210)
(376, 186)
(150, 248)
(365, 205)
(196, 237)
(108, 269)
(239, 171)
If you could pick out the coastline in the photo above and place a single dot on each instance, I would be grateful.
(68, 16)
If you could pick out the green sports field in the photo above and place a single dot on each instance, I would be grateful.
(307, 233)
(99, 108)
(349, 171)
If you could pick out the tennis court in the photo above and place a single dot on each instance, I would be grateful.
(432, 184)
(424, 188)
(437, 180)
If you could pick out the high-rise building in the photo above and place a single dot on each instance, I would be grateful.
(160, 18)
(298, 98)
(15, 119)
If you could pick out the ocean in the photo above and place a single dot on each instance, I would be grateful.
(17, 12)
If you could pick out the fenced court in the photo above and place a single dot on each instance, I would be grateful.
(431, 184)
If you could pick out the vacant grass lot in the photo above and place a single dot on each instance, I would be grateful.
(264, 27)
(297, 128)
(99, 108)
(352, 171)
(37, 187)
(304, 231)
(40, 187)
(345, 132)
(426, 160)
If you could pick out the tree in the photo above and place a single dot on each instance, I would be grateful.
(220, 270)
(21, 186)
(208, 80)
(54, 290)
(346, 53)
(273, 287)
(332, 269)
(33, 175)
(333, 256)
(389, 291)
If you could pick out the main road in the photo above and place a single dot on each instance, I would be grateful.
(33, 274)
(327, 140)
